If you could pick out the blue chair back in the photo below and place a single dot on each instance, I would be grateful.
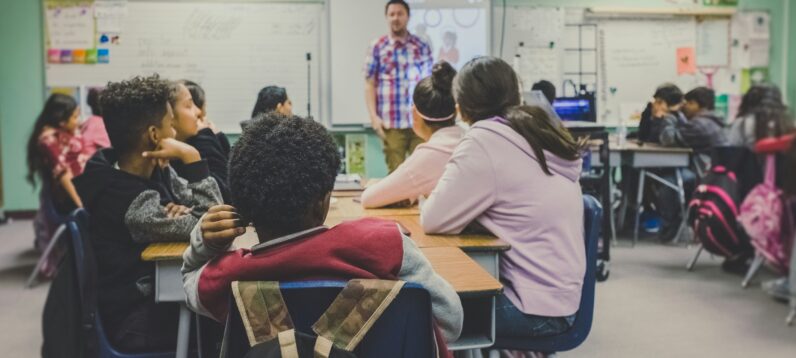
(404, 329)
(86, 270)
(592, 219)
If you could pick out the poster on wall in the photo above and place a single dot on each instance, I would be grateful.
(456, 31)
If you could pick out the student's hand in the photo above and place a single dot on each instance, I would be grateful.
(377, 123)
(206, 123)
(221, 225)
(176, 210)
(171, 149)
(659, 109)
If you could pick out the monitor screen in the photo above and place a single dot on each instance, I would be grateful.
(575, 109)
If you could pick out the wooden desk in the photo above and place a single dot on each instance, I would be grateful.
(476, 287)
(483, 249)
(347, 208)
(644, 156)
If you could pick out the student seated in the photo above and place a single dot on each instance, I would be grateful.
(270, 99)
(516, 174)
(93, 129)
(434, 120)
(703, 129)
(135, 198)
(282, 172)
(666, 103)
(547, 88)
(193, 127)
(56, 154)
(761, 114)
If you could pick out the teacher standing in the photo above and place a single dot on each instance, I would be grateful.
(394, 65)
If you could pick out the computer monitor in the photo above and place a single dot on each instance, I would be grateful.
(576, 108)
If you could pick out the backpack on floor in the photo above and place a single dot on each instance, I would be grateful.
(712, 214)
(762, 217)
(339, 330)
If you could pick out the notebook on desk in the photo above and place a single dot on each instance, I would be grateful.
(348, 182)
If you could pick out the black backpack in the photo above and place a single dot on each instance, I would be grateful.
(713, 211)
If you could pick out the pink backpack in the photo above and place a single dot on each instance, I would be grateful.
(761, 215)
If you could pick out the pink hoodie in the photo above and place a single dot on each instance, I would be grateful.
(494, 177)
(419, 174)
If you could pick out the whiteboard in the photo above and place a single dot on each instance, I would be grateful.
(355, 24)
(636, 56)
(231, 49)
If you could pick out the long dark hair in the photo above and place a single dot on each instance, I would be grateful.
(268, 98)
(197, 92)
(58, 108)
(487, 87)
(764, 103)
(433, 95)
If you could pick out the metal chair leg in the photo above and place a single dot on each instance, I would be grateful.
(642, 174)
(750, 274)
(690, 266)
(33, 279)
(791, 316)
(681, 197)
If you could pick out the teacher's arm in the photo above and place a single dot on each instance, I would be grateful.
(370, 99)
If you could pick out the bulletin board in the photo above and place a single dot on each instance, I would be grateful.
(232, 49)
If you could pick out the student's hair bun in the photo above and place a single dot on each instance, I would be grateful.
(442, 76)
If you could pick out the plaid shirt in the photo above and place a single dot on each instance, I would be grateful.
(397, 66)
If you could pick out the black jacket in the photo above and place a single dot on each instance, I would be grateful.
(701, 133)
(213, 148)
(127, 213)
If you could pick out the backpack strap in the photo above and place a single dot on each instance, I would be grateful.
(264, 315)
(358, 306)
(771, 170)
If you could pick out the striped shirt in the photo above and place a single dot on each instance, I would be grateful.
(397, 65)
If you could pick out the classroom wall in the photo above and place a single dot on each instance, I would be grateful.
(22, 82)
(21, 95)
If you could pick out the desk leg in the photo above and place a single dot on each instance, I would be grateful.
(681, 196)
(184, 332)
(642, 174)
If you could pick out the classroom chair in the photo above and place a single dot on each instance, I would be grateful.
(592, 216)
(85, 268)
(404, 329)
(50, 254)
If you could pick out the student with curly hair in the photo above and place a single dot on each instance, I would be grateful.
(135, 198)
(282, 172)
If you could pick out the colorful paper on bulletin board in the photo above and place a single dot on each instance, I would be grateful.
(753, 76)
(66, 56)
(69, 25)
(91, 56)
(686, 60)
(54, 55)
(79, 56)
(103, 55)
(355, 153)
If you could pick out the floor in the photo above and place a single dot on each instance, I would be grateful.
(649, 307)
